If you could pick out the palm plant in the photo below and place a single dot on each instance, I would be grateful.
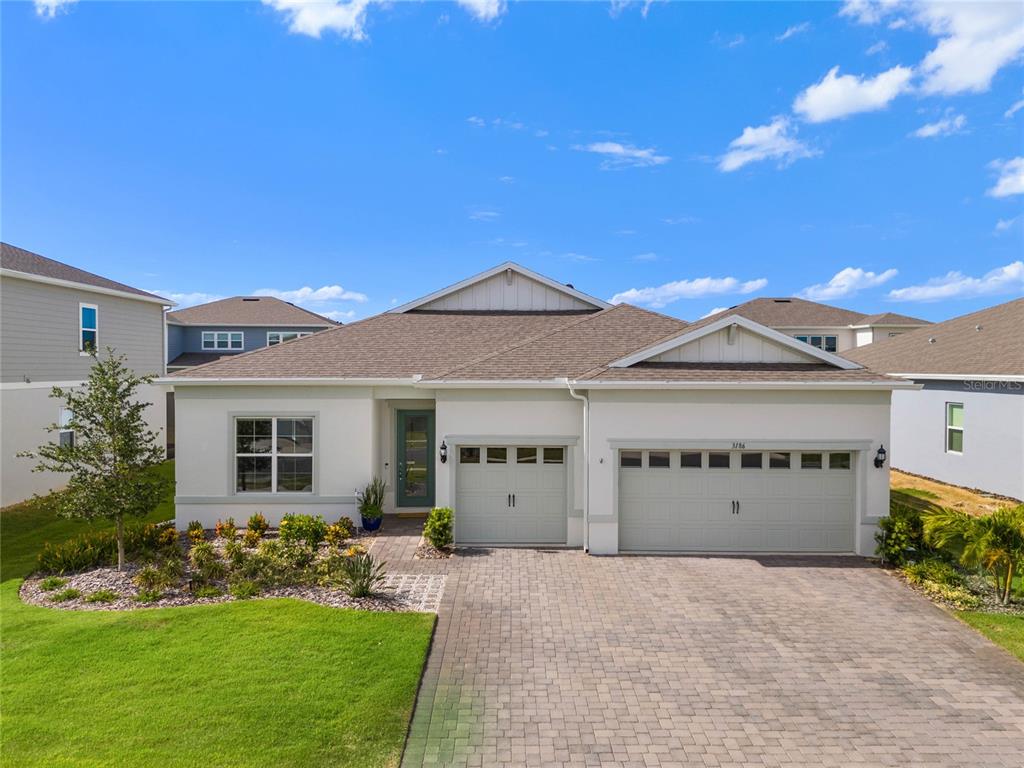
(371, 499)
(994, 542)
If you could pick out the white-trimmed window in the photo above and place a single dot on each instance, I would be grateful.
(223, 340)
(826, 342)
(276, 337)
(954, 427)
(88, 328)
(273, 454)
(65, 435)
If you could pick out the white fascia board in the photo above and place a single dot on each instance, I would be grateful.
(85, 287)
(888, 325)
(294, 381)
(685, 337)
(214, 326)
(739, 385)
(959, 376)
(597, 303)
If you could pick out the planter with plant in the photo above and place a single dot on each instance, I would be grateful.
(371, 503)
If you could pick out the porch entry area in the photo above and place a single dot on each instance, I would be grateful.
(414, 464)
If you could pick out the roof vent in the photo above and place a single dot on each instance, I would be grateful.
(250, 298)
(570, 285)
(978, 327)
(931, 339)
(783, 301)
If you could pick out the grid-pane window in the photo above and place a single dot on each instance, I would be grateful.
(274, 455)
(827, 343)
(276, 337)
(88, 327)
(223, 340)
(955, 427)
(66, 435)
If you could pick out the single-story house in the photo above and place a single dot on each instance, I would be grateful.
(545, 416)
(965, 425)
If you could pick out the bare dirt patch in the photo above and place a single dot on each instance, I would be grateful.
(925, 492)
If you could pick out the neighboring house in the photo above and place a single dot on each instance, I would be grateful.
(545, 416)
(965, 426)
(826, 327)
(207, 332)
(51, 316)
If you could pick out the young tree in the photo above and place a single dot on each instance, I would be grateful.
(111, 457)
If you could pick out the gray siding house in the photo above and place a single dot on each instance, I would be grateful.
(207, 332)
(51, 315)
(965, 425)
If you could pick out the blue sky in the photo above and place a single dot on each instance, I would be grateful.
(683, 157)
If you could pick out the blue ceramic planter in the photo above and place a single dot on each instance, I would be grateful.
(372, 525)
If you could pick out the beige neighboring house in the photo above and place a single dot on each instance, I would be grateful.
(546, 416)
(832, 329)
(50, 314)
(965, 425)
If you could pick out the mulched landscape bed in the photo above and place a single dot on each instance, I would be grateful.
(979, 586)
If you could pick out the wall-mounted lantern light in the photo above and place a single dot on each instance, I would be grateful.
(444, 452)
(880, 457)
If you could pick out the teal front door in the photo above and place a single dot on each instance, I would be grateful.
(415, 480)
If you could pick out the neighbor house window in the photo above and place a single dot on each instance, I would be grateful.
(223, 340)
(276, 337)
(274, 455)
(954, 427)
(88, 328)
(65, 435)
(827, 343)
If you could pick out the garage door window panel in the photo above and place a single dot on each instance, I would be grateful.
(690, 460)
(469, 455)
(554, 455)
(526, 455)
(497, 455)
(658, 459)
(810, 461)
(778, 460)
(839, 460)
(718, 460)
(631, 459)
(751, 460)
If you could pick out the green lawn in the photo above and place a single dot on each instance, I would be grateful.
(1007, 631)
(259, 683)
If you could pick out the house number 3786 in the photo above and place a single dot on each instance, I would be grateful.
(739, 446)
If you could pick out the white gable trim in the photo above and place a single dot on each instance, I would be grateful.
(780, 338)
(579, 295)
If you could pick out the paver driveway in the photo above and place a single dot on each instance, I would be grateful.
(555, 658)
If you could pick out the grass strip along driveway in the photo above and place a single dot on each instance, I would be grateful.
(255, 683)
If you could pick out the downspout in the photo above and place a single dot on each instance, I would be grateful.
(586, 463)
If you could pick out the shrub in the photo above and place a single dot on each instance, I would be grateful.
(934, 570)
(97, 548)
(148, 596)
(258, 523)
(251, 539)
(346, 527)
(243, 590)
(355, 549)
(438, 529)
(148, 579)
(901, 538)
(168, 537)
(64, 595)
(226, 529)
(206, 563)
(196, 533)
(51, 583)
(102, 596)
(234, 551)
(360, 575)
(960, 597)
(336, 535)
(207, 590)
(308, 528)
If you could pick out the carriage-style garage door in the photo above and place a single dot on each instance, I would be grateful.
(510, 495)
(736, 501)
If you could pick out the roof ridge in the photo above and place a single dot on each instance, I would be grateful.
(526, 341)
(176, 314)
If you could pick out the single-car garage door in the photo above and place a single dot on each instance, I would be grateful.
(736, 501)
(510, 495)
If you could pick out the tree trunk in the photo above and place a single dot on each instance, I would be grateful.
(120, 542)
(1009, 583)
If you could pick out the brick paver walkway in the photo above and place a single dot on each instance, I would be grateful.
(553, 658)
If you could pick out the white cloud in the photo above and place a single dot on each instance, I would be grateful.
(714, 311)
(847, 282)
(659, 296)
(573, 256)
(346, 17)
(837, 96)
(867, 11)
(796, 29)
(484, 10)
(479, 122)
(976, 41)
(765, 142)
(507, 179)
(943, 127)
(1011, 177)
(1002, 225)
(307, 295)
(956, 285)
(878, 47)
(1016, 107)
(484, 215)
(645, 257)
(616, 7)
(617, 156)
(672, 220)
(339, 315)
(50, 8)
(189, 299)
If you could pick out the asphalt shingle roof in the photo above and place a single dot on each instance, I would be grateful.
(20, 260)
(988, 342)
(248, 310)
(791, 312)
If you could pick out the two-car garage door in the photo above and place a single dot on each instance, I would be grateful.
(736, 501)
